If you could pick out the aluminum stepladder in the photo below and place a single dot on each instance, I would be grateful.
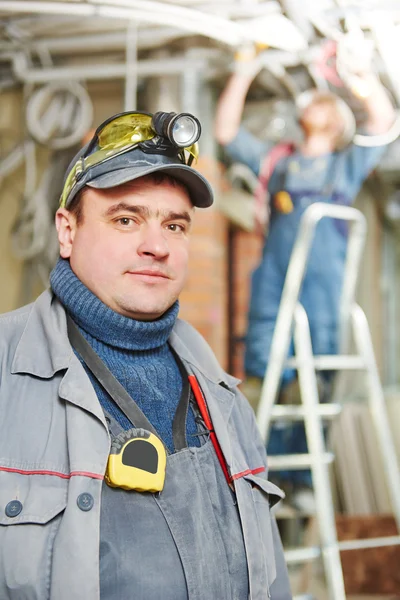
(292, 320)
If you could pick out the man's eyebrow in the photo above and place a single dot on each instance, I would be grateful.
(132, 208)
(145, 212)
(177, 216)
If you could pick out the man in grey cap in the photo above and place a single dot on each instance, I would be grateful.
(131, 464)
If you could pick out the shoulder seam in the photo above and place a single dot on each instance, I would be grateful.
(16, 315)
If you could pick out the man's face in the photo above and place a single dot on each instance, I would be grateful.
(131, 249)
(321, 117)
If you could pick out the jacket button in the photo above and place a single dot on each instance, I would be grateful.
(13, 508)
(85, 501)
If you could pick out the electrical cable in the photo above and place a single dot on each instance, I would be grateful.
(30, 231)
(59, 114)
(381, 139)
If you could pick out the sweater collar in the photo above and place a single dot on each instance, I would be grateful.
(103, 323)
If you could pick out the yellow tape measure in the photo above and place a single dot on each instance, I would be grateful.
(137, 461)
(283, 202)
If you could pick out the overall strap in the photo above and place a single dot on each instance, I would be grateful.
(121, 397)
(104, 376)
(267, 167)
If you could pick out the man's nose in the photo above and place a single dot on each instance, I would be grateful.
(153, 242)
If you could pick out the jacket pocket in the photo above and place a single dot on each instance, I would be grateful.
(265, 496)
(30, 514)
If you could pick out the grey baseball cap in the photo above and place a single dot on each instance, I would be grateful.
(134, 164)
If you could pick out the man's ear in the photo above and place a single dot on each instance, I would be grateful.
(66, 227)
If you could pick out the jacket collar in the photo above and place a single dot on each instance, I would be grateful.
(184, 338)
(44, 348)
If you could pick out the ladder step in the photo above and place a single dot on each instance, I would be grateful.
(297, 412)
(283, 511)
(299, 555)
(332, 363)
(296, 461)
(379, 542)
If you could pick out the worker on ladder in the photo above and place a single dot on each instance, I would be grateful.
(325, 167)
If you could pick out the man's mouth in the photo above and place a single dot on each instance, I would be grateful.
(149, 274)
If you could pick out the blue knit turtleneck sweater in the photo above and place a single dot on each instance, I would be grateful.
(136, 352)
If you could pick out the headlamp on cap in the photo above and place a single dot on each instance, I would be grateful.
(182, 130)
(133, 144)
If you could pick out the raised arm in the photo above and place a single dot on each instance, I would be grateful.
(230, 107)
(354, 60)
(231, 102)
(377, 105)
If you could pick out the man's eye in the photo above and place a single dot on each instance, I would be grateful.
(175, 227)
(125, 221)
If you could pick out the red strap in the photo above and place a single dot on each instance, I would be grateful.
(198, 394)
(267, 168)
(248, 472)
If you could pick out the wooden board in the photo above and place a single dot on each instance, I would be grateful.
(373, 570)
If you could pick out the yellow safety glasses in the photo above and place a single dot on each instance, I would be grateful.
(125, 131)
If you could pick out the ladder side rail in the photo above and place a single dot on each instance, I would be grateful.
(316, 446)
(354, 253)
(284, 323)
(378, 408)
(355, 248)
(290, 295)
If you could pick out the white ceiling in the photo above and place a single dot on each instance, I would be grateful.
(55, 34)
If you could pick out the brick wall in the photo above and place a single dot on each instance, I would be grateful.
(204, 299)
(218, 248)
(246, 252)
(204, 302)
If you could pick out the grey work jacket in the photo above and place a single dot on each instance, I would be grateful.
(54, 446)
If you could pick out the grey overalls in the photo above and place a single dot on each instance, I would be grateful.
(199, 551)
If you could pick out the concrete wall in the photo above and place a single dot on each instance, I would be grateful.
(15, 288)
(11, 191)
